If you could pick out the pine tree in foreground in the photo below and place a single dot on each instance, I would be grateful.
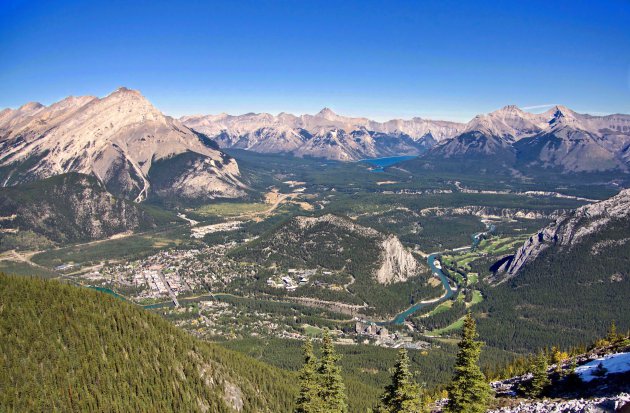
(540, 379)
(403, 394)
(468, 391)
(332, 391)
(308, 401)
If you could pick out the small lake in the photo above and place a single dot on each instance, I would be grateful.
(379, 164)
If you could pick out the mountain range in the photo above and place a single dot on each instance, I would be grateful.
(558, 137)
(324, 135)
(137, 152)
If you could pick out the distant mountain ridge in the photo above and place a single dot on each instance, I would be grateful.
(126, 142)
(119, 139)
(325, 134)
(559, 137)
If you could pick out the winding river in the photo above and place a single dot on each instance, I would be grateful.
(401, 317)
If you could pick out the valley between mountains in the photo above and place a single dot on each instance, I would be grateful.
(256, 232)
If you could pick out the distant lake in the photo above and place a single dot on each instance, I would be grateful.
(380, 164)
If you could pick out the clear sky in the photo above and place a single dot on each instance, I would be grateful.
(440, 59)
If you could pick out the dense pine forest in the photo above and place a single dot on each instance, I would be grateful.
(72, 349)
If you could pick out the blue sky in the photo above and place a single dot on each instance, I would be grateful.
(439, 59)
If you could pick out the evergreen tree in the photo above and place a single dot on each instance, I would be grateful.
(332, 391)
(600, 371)
(540, 380)
(613, 336)
(403, 394)
(308, 400)
(573, 379)
(468, 391)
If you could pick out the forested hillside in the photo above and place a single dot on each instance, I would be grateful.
(66, 349)
(566, 296)
(69, 208)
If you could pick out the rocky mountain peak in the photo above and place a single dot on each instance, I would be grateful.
(562, 116)
(326, 113)
(510, 109)
(118, 139)
(30, 106)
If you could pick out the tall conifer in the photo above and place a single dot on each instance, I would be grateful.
(468, 391)
(403, 394)
(332, 391)
(308, 401)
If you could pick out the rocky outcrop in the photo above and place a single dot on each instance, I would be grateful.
(118, 139)
(490, 212)
(596, 405)
(569, 229)
(397, 263)
(337, 244)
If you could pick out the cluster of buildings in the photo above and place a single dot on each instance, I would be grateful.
(200, 232)
(380, 336)
(171, 273)
(292, 279)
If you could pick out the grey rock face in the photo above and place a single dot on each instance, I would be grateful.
(570, 229)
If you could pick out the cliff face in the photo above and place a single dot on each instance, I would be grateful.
(397, 263)
(70, 208)
(569, 229)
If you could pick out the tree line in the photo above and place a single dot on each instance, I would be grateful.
(321, 388)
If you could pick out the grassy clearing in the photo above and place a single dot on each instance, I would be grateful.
(445, 306)
(312, 331)
(476, 298)
(230, 209)
(494, 246)
(457, 325)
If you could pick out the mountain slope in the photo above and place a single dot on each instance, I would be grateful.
(69, 208)
(566, 284)
(72, 349)
(117, 139)
(568, 146)
(570, 229)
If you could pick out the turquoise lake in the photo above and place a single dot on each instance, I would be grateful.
(381, 163)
